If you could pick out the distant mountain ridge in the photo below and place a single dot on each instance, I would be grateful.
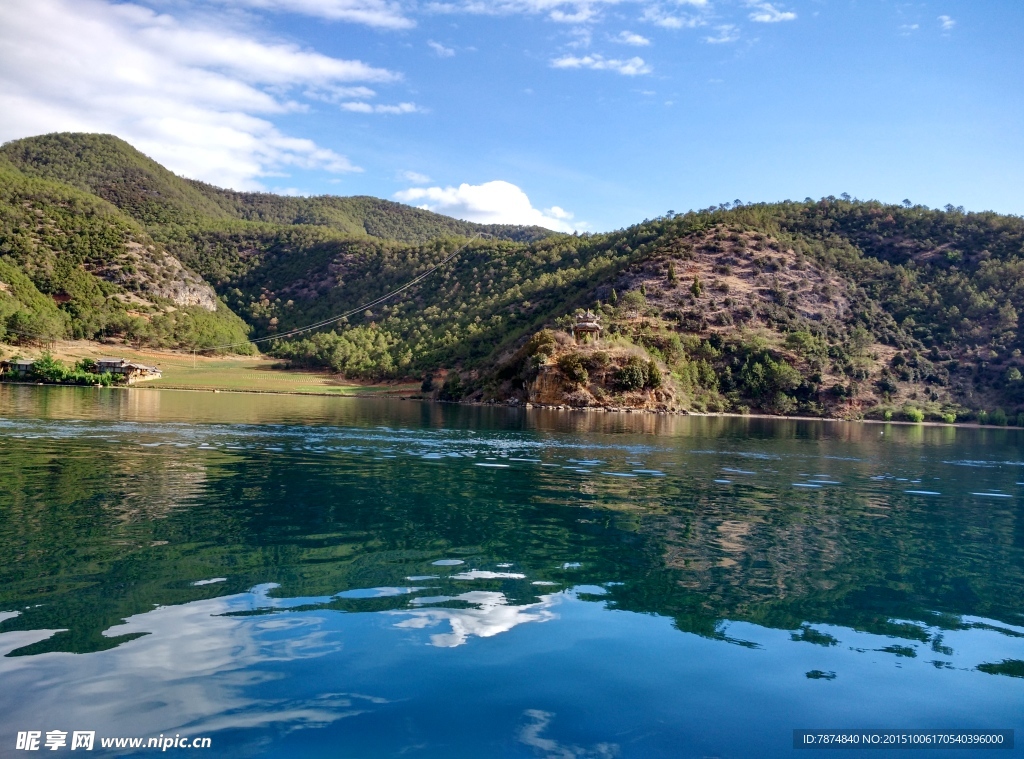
(822, 307)
(110, 168)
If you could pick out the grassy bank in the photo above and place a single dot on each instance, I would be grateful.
(239, 374)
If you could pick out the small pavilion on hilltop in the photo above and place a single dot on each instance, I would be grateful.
(587, 326)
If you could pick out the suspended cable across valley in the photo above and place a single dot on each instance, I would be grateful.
(309, 327)
(338, 317)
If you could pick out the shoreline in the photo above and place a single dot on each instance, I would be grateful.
(396, 395)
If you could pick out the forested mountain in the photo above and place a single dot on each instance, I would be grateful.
(115, 171)
(73, 265)
(833, 306)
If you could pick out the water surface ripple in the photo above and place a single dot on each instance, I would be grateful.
(311, 577)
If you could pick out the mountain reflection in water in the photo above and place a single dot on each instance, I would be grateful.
(295, 575)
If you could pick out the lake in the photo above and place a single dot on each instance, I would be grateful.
(307, 576)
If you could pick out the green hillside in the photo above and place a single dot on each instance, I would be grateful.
(833, 306)
(74, 266)
(836, 306)
(115, 171)
(359, 215)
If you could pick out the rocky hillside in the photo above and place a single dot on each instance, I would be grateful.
(779, 309)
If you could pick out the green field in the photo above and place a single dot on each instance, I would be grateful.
(248, 374)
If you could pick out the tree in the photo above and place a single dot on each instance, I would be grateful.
(696, 288)
(453, 389)
(49, 369)
(634, 301)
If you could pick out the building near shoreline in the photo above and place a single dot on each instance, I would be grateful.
(130, 370)
(17, 366)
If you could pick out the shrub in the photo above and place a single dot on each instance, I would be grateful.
(998, 417)
(782, 403)
(597, 361)
(571, 365)
(913, 414)
(541, 344)
(453, 389)
(634, 375)
(949, 417)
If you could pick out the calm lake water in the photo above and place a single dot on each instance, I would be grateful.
(307, 577)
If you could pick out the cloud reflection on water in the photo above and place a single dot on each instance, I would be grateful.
(493, 615)
(194, 671)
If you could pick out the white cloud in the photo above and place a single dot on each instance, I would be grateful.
(632, 67)
(565, 11)
(375, 13)
(725, 33)
(582, 37)
(907, 29)
(630, 38)
(947, 23)
(331, 94)
(494, 202)
(395, 110)
(580, 15)
(659, 17)
(766, 13)
(413, 176)
(192, 96)
(440, 50)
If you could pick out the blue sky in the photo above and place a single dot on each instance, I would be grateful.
(576, 114)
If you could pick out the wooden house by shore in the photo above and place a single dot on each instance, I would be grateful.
(18, 367)
(132, 371)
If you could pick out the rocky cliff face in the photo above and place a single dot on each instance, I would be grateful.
(147, 270)
(551, 387)
(554, 370)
